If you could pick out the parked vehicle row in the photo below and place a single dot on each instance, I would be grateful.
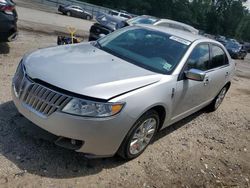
(146, 78)
(75, 11)
(8, 21)
(107, 24)
(235, 49)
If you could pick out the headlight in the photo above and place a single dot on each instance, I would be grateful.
(92, 109)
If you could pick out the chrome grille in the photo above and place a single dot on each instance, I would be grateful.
(40, 98)
(44, 100)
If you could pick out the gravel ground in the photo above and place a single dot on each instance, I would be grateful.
(203, 150)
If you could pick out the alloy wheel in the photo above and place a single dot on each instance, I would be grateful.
(142, 136)
(220, 97)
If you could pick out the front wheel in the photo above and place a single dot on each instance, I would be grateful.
(68, 13)
(218, 100)
(140, 136)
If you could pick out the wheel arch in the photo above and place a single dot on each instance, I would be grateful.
(228, 85)
(161, 111)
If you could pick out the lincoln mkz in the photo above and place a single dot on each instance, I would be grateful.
(113, 95)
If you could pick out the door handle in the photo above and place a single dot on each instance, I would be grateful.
(206, 81)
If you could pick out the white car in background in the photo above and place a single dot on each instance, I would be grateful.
(122, 15)
(162, 22)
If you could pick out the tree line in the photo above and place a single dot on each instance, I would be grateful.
(218, 17)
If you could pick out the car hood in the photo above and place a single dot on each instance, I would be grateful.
(86, 70)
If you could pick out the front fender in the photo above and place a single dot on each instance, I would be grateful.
(140, 101)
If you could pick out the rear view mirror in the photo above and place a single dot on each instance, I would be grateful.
(195, 74)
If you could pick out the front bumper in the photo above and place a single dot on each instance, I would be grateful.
(101, 136)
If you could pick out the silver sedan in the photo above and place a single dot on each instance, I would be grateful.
(113, 95)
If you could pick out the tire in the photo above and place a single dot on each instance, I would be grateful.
(88, 17)
(91, 39)
(218, 100)
(149, 120)
(68, 13)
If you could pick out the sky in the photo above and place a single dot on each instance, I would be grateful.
(247, 4)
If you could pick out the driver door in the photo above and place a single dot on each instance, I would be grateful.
(191, 95)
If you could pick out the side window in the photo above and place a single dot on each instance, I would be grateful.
(73, 7)
(199, 58)
(114, 13)
(219, 57)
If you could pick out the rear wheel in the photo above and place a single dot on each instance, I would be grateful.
(140, 136)
(218, 100)
(88, 17)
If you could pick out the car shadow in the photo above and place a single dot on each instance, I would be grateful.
(4, 48)
(32, 150)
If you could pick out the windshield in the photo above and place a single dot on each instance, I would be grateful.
(150, 49)
(142, 20)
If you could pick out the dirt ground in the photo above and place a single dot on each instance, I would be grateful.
(203, 150)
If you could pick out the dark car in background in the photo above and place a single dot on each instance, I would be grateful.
(105, 24)
(246, 46)
(8, 21)
(75, 11)
(221, 39)
(236, 50)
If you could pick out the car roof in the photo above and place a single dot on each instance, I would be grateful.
(176, 32)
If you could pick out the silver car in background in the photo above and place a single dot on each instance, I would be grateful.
(162, 22)
(113, 95)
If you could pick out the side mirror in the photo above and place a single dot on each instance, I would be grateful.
(195, 74)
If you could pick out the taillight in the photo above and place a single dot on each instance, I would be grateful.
(8, 9)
